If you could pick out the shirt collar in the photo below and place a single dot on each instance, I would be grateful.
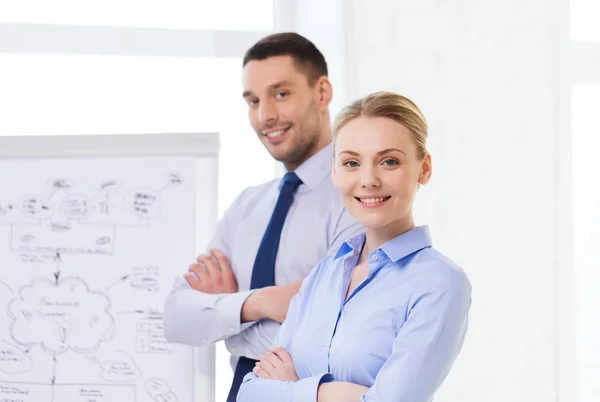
(316, 168)
(407, 243)
(354, 243)
(399, 247)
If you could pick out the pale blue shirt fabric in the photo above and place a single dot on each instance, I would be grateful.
(316, 224)
(398, 333)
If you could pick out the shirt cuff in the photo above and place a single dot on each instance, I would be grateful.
(306, 389)
(230, 308)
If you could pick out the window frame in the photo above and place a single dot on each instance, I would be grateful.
(576, 65)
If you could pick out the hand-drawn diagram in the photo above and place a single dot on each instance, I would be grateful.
(121, 369)
(160, 391)
(61, 315)
(63, 220)
(141, 277)
(57, 321)
(13, 359)
(150, 336)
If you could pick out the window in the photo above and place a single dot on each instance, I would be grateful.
(584, 20)
(239, 15)
(586, 231)
(92, 94)
(581, 83)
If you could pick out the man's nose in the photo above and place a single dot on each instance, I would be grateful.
(267, 113)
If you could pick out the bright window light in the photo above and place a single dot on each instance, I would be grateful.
(248, 15)
(584, 20)
(90, 94)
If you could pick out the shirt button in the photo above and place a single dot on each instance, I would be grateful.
(233, 350)
(375, 257)
(204, 340)
(231, 330)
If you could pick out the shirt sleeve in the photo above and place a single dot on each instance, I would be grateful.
(256, 389)
(196, 318)
(255, 340)
(427, 344)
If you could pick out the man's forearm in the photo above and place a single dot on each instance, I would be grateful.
(270, 302)
(198, 319)
(340, 392)
(252, 308)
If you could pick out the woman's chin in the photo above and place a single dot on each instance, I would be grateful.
(371, 222)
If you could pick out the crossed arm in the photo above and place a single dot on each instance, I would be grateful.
(212, 274)
(423, 352)
(208, 294)
(206, 306)
(277, 364)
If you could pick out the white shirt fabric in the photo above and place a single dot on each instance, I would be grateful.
(316, 225)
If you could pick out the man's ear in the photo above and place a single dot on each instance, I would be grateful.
(325, 92)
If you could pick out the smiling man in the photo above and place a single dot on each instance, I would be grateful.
(273, 234)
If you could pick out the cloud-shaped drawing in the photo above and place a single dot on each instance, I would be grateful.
(61, 316)
(13, 360)
(160, 391)
(120, 368)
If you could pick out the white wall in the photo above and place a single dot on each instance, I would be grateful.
(323, 22)
(486, 76)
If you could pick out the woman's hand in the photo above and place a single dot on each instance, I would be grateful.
(277, 364)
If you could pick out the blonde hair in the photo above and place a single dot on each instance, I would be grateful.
(392, 106)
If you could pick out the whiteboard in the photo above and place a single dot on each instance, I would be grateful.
(93, 230)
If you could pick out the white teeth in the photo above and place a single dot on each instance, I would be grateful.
(275, 133)
(372, 200)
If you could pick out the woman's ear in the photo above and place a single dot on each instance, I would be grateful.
(426, 169)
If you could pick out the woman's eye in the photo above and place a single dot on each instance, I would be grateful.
(390, 162)
(351, 164)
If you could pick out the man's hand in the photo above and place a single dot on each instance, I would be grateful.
(277, 364)
(213, 274)
(270, 302)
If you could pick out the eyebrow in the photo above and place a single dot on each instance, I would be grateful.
(385, 151)
(271, 87)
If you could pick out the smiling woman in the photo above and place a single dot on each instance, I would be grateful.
(386, 170)
(405, 305)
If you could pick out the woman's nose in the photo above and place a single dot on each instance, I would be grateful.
(370, 178)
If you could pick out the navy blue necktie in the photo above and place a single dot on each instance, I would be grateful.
(263, 272)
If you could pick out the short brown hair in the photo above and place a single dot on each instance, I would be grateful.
(392, 106)
(307, 57)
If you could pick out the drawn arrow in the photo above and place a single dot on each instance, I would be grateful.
(57, 272)
(120, 280)
(53, 378)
